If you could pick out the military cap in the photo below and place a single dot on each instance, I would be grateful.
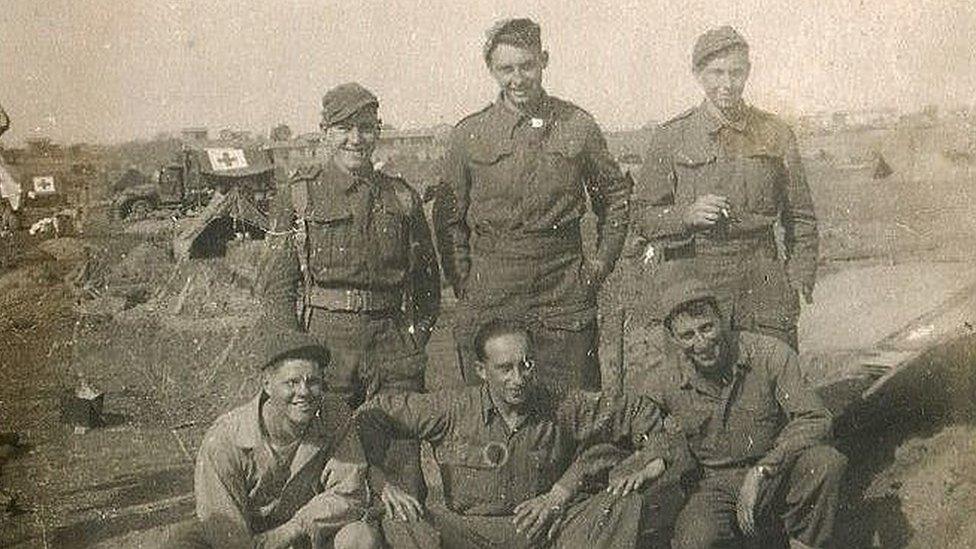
(714, 41)
(345, 100)
(682, 290)
(522, 33)
(274, 346)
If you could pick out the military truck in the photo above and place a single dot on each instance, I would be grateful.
(200, 171)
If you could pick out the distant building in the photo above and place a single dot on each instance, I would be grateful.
(192, 135)
(423, 143)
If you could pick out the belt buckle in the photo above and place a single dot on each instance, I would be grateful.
(355, 301)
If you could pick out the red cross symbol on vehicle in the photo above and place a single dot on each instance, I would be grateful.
(227, 160)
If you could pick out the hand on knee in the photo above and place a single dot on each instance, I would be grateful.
(358, 535)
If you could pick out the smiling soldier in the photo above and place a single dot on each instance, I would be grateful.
(518, 174)
(285, 469)
(352, 245)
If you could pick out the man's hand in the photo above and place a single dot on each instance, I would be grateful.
(326, 511)
(541, 515)
(706, 212)
(593, 272)
(628, 483)
(400, 505)
(746, 504)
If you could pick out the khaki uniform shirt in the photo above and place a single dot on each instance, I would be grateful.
(519, 187)
(766, 413)
(242, 488)
(754, 162)
(366, 233)
(489, 468)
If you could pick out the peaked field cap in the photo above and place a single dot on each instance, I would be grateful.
(522, 33)
(345, 100)
(682, 291)
(714, 41)
(285, 344)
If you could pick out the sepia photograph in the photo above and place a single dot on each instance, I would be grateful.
(356, 274)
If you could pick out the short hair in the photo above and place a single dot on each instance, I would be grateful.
(497, 328)
(694, 307)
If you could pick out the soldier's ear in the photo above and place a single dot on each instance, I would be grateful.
(544, 59)
(481, 370)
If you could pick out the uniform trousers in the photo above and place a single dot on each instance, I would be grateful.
(375, 353)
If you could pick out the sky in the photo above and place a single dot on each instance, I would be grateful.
(108, 71)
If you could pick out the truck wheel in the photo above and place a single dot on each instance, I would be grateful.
(139, 209)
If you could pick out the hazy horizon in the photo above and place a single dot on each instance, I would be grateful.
(103, 71)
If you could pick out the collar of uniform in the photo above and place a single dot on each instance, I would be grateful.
(489, 410)
(346, 180)
(689, 376)
(249, 435)
(714, 120)
(508, 118)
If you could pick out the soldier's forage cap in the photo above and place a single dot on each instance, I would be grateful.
(521, 33)
(277, 345)
(714, 41)
(345, 100)
(682, 291)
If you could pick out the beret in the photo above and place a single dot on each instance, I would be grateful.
(523, 33)
(277, 345)
(679, 291)
(713, 41)
(345, 100)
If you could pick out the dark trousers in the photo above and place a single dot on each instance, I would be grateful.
(371, 354)
(801, 501)
(565, 359)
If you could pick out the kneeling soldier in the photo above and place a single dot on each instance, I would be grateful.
(756, 428)
(286, 469)
(519, 465)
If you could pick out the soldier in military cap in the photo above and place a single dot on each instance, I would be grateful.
(351, 245)
(519, 172)
(717, 184)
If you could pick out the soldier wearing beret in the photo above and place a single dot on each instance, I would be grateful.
(719, 181)
(351, 245)
(519, 173)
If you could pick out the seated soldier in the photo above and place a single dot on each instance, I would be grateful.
(756, 428)
(286, 469)
(518, 464)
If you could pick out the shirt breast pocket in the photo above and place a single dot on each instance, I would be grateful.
(473, 466)
(330, 230)
(696, 175)
(487, 162)
(390, 235)
(763, 175)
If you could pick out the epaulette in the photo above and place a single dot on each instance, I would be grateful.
(472, 115)
(304, 173)
(681, 116)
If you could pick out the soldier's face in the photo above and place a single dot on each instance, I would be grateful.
(508, 369)
(698, 332)
(723, 78)
(295, 388)
(351, 142)
(518, 72)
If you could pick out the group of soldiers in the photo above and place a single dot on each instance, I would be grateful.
(725, 444)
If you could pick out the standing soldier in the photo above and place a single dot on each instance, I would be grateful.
(719, 182)
(357, 242)
(519, 172)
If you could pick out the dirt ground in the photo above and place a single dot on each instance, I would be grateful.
(163, 341)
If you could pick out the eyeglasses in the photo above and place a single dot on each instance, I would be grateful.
(525, 366)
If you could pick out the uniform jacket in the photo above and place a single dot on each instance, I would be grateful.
(518, 187)
(365, 233)
(755, 162)
(242, 489)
